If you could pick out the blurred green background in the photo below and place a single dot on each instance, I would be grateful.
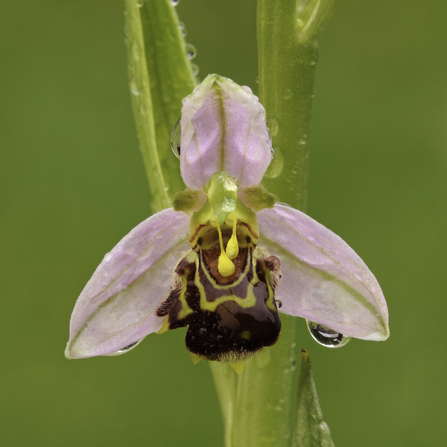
(73, 183)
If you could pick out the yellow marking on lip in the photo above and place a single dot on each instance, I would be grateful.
(232, 245)
(234, 283)
(186, 310)
(225, 266)
(164, 327)
(247, 302)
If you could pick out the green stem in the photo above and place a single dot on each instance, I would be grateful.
(257, 404)
(289, 32)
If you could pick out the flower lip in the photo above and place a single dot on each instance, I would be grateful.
(223, 128)
(228, 318)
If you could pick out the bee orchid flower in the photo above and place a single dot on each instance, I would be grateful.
(226, 259)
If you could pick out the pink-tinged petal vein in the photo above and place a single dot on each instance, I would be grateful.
(323, 279)
(247, 142)
(223, 128)
(201, 143)
(116, 307)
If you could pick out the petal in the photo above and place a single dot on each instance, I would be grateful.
(116, 307)
(223, 129)
(323, 279)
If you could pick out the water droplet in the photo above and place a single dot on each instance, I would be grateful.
(272, 124)
(257, 79)
(182, 28)
(190, 51)
(292, 365)
(135, 51)
(134, 88)
(126, 348)
(288, 94)
(278, 303)
(303, 139)
(108, 256)
(263, 358)
(326, 336)
(277, 164)
(175, 139)
(195, 69)
(174, 2)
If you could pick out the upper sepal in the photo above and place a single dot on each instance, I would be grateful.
(117, 306)
(323, 279)
(223, 128)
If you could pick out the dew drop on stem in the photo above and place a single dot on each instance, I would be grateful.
(195, 69)
(190, 51)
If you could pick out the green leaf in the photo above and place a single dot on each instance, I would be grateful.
(160, 76)
(310, 429)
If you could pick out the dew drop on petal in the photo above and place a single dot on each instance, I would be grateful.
(326, 336)
(174, 2)
(126, 348)
(175, 139)
(108, 256)
(190, 51)
(278, 303)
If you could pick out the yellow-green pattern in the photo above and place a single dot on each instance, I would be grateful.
(228, 318)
